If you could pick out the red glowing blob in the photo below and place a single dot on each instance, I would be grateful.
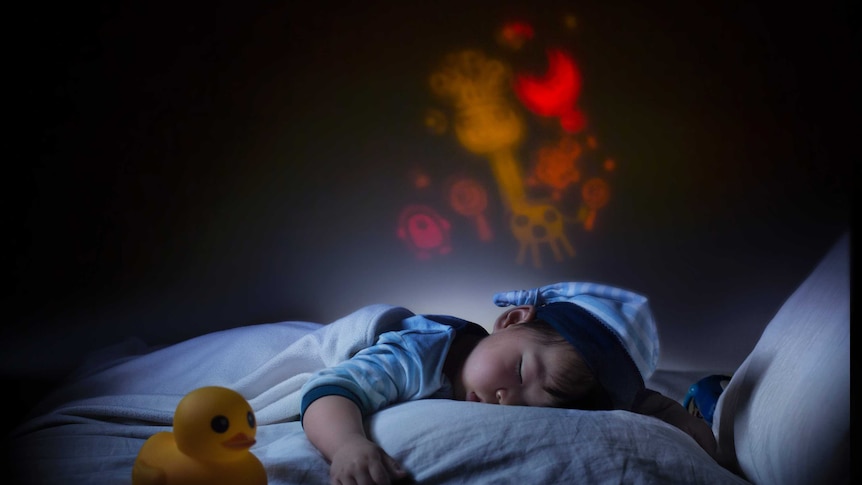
(469, 198)
(514, 34)
(555, 94)
(425, 232)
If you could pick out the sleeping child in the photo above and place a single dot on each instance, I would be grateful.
(569, 345)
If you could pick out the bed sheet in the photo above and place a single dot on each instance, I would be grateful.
(90, 430)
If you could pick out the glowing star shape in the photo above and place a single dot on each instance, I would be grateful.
(213, 429)
(470, 199)
(556, 93)
(596, 194)
(536, 224)
(425, 232)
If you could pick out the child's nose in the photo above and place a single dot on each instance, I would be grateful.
(506, 396)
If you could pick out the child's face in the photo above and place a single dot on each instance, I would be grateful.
(509, 367)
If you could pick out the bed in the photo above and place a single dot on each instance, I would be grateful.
(783, 418)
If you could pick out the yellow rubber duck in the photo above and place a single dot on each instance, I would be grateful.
(214, 427)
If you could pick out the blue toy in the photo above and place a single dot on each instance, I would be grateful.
(703, 395)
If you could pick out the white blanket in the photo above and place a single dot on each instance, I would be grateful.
(90, 430)
(267, 364)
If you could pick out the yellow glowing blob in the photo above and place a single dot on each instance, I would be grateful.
(485, 122)
(488, 129)
(214, 427)
(534, 225)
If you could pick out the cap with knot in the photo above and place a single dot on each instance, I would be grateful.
(613, 329)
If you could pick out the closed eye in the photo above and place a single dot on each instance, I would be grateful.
(520, 368)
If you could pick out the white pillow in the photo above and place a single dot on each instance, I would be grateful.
(785, 416)
(457, 442)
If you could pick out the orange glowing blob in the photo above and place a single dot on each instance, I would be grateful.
(556, 93)
(436, 122)
(470, 199)
(557, 166)
(425, 232)
(421, 180)
(596, 194)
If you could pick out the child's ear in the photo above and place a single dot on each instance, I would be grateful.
(518, 314)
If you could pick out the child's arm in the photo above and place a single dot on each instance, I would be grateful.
(652, 403)
(334, 425)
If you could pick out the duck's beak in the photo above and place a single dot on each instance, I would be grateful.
(239, 441)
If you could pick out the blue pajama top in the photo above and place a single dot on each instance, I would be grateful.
(402, 365)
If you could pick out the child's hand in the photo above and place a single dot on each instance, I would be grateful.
(651, 403)
(362, 462)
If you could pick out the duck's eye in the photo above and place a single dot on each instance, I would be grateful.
(250, 417)
(220, 424)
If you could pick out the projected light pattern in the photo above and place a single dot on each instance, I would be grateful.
(596, 194)
(551, 184)
(470, 199)
(485, 120)
(557, 166)
(556, 93)
(515, 34)
(535, 225)
(424, 231)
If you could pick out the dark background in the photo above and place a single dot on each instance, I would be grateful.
(176, 168)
